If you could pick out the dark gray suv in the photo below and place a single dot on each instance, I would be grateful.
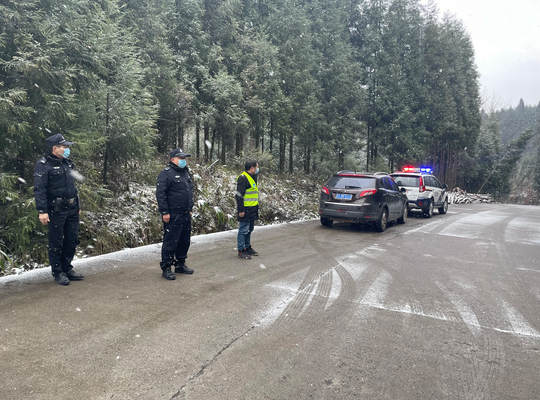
(360, 197)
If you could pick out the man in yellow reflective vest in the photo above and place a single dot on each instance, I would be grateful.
(247, 201)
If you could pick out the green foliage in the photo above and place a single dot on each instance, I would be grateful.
(5, 261)
(497, 181)
(21, 234)
(307, 87)
(371, 79)
(536, 172)
(513, 121)
(266, 162)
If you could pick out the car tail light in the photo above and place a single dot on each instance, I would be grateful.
(367, 192)
(325, 190)
(422, 186)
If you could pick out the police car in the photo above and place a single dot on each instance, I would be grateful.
(424, 190)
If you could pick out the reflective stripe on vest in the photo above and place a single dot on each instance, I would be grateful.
(251, 197)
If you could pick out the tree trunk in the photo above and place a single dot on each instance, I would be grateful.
(239, 142)
(198, 136)
(159, 125)
(179, 134)
(256, 135)
(291, 155)
(308, 160)
(213, 142)
(206, 140)
(223, 149)
(368, 143)
(281, 151)
(271, 133)
(106, 157)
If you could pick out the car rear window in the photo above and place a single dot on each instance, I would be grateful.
(402, 180)
(350, 182)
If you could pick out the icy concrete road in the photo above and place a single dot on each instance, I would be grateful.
(441, 308)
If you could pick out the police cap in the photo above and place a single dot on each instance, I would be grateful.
(179, 153)
(56, 140)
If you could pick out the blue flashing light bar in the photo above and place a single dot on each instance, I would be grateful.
(427, 170)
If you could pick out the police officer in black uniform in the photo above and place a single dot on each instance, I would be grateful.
(57, 203)
(174, 192)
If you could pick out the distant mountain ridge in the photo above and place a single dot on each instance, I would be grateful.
(513, 121)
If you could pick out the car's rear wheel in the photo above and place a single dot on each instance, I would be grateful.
(326, 222)
(403, 217)
(428, 212)
(444, 208)
(383, 220)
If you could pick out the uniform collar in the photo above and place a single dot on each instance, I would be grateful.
(177, 168)
(53, 159)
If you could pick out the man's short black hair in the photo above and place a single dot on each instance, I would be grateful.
(249, 164)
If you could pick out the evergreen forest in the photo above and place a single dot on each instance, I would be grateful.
(311, 86)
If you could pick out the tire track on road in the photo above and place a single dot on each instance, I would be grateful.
(483, 360)
(313, 293)
(347, 292)
(520, 290)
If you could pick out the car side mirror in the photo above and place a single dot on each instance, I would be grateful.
(445, 186)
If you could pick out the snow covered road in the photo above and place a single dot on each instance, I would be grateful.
(440, 308)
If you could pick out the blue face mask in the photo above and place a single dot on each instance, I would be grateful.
(256, 172)
(182, 163)
(66, 153)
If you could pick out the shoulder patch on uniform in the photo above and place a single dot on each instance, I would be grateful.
(43, 161)
(167, 168)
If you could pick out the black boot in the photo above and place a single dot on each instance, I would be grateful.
(251, 251)
(244, 254)
(181, 268)
(167, 274)
(62, 279)
(73, 276)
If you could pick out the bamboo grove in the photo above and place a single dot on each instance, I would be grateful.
(318, 85)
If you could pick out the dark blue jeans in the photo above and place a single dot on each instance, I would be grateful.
(176, 239)
(244, 234)
(63, 238)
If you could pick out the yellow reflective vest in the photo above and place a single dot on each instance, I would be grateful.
(251, 197)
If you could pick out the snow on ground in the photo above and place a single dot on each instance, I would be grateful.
(94, 264)
(130, 219)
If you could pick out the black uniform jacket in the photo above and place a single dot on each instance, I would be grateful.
(251, 212)
(174, 190)
(53, 179)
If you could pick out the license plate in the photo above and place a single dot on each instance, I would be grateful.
(343, 196)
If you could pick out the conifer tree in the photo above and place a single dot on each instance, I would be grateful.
(125, 110)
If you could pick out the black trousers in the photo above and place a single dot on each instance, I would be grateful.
(63, 238)
(176, 239)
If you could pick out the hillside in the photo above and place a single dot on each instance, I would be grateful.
(131, 218)
(513, 121)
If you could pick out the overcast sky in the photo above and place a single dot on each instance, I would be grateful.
(506, 39)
